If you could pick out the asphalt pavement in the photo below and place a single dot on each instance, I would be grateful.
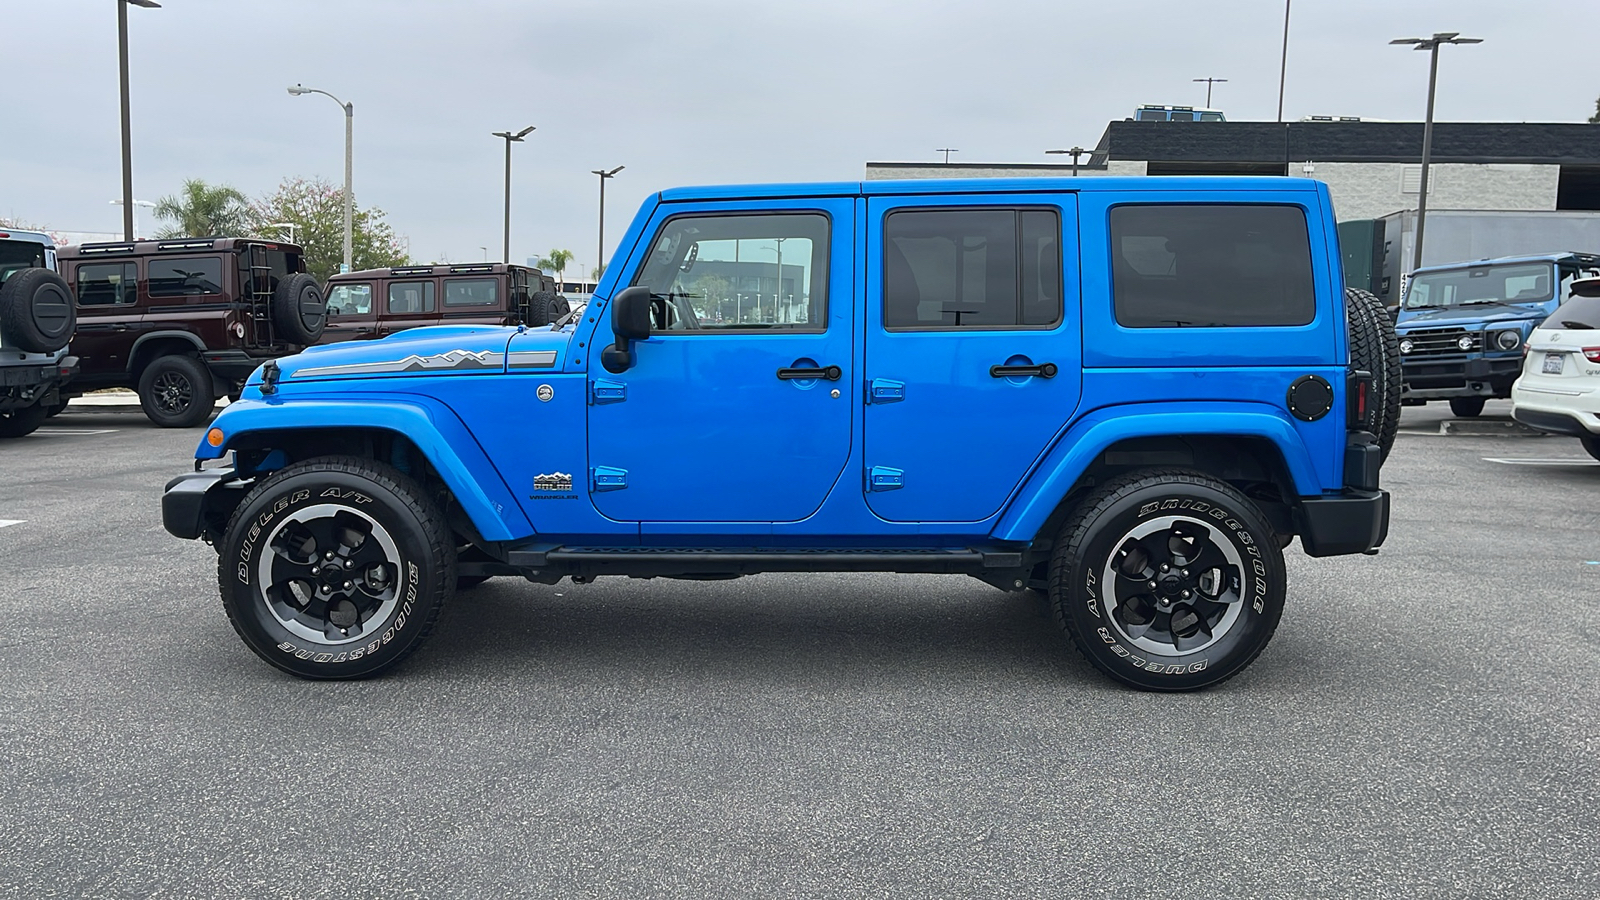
(1426, 722)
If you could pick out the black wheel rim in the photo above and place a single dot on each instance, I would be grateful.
(1173, 585)
(172, 392)
(329, 574)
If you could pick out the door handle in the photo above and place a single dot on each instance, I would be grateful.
(1043, 370)
(832, 373)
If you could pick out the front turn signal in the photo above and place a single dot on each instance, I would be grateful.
(214, 437)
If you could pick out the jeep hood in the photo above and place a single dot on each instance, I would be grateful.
(436, 350)
(1467, 316)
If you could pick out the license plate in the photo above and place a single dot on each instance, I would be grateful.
(1552, 363)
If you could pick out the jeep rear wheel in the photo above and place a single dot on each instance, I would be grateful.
(1375, 348)
(1167, 580)
(336, 567)
(545, 307)
(175, 392)
(16, 423)
(36, 311)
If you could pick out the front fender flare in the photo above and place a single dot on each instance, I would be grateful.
(431, 426)
(1044, 490)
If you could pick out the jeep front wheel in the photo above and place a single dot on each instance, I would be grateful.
(336, 567)
(1167, 580)
(175, 392)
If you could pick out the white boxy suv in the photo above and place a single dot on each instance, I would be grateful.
(1559, 390)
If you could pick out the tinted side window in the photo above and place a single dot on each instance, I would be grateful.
(105, 284)
(184, 277)
(1211, 266)
(471, 292)
(767, 271)
(411, 297)
(972, 268)
(350, 300)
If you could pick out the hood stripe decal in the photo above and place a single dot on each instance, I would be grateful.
(449, 361)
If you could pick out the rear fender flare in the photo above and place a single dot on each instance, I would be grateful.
(431, 426)
(1050, 483)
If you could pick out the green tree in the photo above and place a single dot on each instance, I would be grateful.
(316, 210)
(1595, 119)
(204, 210)
(557, 261)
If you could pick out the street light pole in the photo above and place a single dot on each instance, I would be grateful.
(1075, 152)
(127, 138)
(510, 139)
(1430, 44)
(133, 233)
(349, 197)
(1283, 65)
(1211, 81)
(947, 151)
(601, 254)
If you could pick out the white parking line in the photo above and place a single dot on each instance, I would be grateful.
(49, 431)
(1532, 461)
(6, 523)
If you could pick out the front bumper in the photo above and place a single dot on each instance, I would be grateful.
(198, 504)
(1353, 522)
(1425, 378)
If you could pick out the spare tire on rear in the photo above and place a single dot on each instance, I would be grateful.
(298, 309)
(36, 311)
(1374, 348)
(546, 307)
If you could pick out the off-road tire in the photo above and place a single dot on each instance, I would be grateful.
(1375, 348)
(36, 311)
(545, 307)
(1095, 610)
(15, 423)
(353, 505)
(1467, 407)
(299, 311)
(175, 391)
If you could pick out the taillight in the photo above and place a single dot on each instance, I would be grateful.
(1592, 354)
(1358, 390)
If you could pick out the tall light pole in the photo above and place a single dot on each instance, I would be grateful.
(510, 139)
(1432, 45)
(289, 225)
(1075, 152)
(1283, 65)
(349, 197)
(132, 231)
(947, 151)
(603, 176)
(127, 138)
(1211, 81)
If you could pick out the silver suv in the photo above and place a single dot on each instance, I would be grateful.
(36, 322)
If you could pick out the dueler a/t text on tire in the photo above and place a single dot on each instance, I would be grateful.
(1167, 580)
(336, 567)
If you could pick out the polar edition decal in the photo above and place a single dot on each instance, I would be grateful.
(451, 361)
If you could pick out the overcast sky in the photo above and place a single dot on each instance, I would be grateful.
(696, 92)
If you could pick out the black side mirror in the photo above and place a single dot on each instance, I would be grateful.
(630, 321)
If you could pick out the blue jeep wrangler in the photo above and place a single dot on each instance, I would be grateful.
(1128, 394)
(1463, 327)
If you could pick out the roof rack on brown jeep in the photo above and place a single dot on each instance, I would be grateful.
(186, 320)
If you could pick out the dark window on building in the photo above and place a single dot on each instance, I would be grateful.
(185, 277)
(107, 284)
(410, 297)
(1209, 266)
(738, 272)
(1578, 187)
(972, 268)
(471, 292)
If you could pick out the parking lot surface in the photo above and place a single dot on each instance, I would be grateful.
(1425, 724)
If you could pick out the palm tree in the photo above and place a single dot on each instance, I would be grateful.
(557, 260)
(203, 210)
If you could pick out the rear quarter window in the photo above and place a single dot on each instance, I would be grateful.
(1211, 266)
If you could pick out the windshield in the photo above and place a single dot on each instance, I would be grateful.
(18, 255)
(1515, 283)
(1578, 313)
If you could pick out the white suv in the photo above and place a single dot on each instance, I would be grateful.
(1559, 390)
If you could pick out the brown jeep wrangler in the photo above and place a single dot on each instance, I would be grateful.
(379, 302)
(186, 321)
